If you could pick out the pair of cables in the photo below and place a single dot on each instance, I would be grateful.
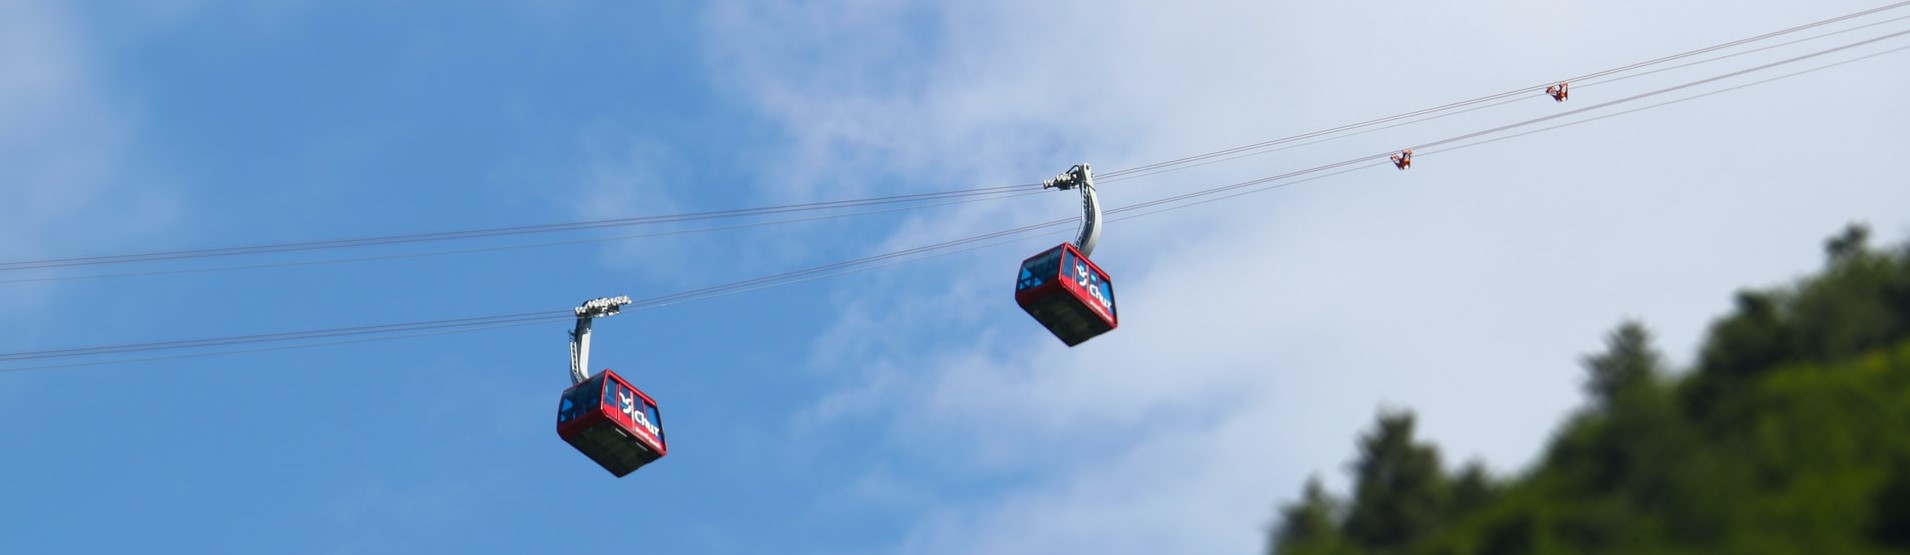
(896, 203)
(337, 336)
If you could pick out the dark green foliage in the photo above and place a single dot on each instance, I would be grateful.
(1854, 241)
(1856, 306)
(1472, 489)
(1399, 491)
(1790, 435)
(1859, 303)
(1309, 526)
(1628, 364)
(1891, 525)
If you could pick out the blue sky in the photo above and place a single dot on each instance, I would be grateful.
(908, 409)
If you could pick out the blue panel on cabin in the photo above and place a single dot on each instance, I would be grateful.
(579, 400)
(1091, 281)
(1039, 269)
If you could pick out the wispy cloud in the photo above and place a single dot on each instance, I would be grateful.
(1259, 335)
(629, 176)
(71, 180)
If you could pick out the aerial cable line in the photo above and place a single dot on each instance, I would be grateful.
(1351, 164)
(491, 327)
(1373, 165)
(973, 243)
(472, 323)
(1744, 52)
(1676, 101)
(1003, 191)
(481, 321)
(1657, 92)
(329, 343)
(1108, 177)
(997, 241)
(785, 278)
(452, 323)
(1147, 169)
(496, 248)
(1428, 114)
(1744, 41)
(525, 317)
(1127, 173)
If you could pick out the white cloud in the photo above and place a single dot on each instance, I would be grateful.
(1260, 335)
(68, 182)
(626, 177)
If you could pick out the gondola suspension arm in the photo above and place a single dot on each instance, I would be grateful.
(1081, 177)
(580, 337)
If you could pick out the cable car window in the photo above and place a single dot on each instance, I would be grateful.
(1107, 290)
(1039, 270)
(581, 398)
(1088, 279)
(655, 420)
(641, 414)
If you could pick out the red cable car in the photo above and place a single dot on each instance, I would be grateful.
(1068, 294)
(603, 416)
(1060, 287)
(612, 422)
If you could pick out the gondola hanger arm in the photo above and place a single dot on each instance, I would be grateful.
(1082, 177)
(580, 337)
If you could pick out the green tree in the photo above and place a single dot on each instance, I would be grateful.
(1472, 491)
(1891, 509)
(1856, 305)
(1400, 492)
(1740, 346)
(1308, 525)
(1859, 303)
(1853, 241)
(1628, 363)
(1790, 435)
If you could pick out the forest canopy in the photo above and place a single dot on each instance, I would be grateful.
(1790, 433)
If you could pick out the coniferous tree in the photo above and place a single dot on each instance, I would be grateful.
(1308, 525)
(1853, 241)
(1400, 492)
(1628, 363)
(1791, 434)
(1472, 490)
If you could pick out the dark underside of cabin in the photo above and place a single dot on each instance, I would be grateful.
(1067, 317)
(612, 447)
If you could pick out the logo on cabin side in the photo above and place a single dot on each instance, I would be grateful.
(1091, 282)
(627, 403)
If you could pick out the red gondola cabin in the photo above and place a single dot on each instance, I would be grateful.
(611, 422)
(1068, 294)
